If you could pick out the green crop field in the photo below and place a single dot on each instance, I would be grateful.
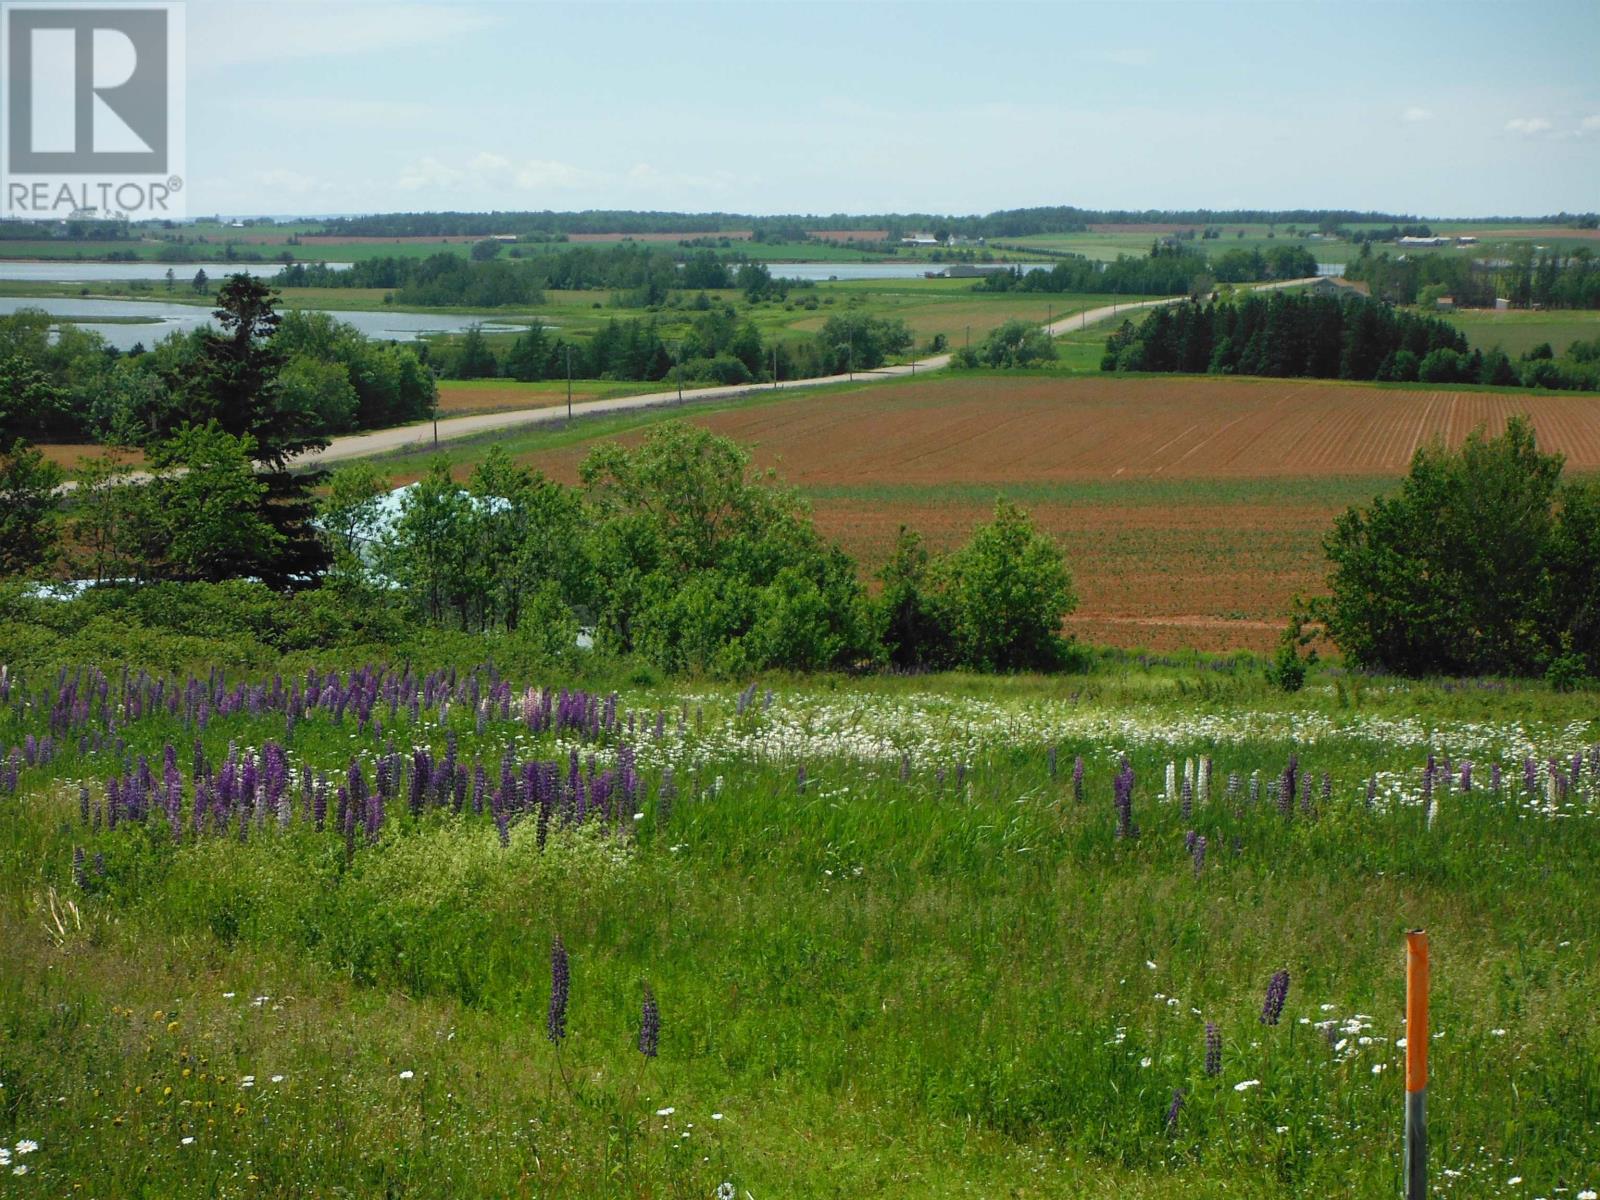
(1516, 331)
(896, 947)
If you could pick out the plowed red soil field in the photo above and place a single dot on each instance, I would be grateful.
(1191, 510)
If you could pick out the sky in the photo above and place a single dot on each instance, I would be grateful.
(772, 106)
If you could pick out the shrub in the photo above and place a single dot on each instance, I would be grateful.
(1451, 574)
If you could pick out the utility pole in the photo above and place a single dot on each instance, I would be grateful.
(774, 366)
(569, 383)
(436, 420)
(677, 364)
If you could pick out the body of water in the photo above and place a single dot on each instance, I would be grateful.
(124, 272)
(883, 270)
(158, 319)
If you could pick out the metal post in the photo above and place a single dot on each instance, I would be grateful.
(1416, 1160)
(436, 423)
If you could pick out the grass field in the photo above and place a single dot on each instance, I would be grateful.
(897, 951)
(1192, 510)
(1517, 332)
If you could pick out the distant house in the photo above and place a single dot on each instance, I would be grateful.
(919, 239)
(1423, 241)
(1465, 240)
(1334, 285)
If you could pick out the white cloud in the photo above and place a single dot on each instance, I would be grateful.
(1528, 125)
(1590, 124)
(428, 172)
(1415, 114)
(487, 172)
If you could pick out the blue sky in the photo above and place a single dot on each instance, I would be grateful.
(1441, 109)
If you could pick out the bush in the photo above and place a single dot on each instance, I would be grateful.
(1006, 592)
(1458, 572)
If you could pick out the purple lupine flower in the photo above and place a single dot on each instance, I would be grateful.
(1198, 851)
(78, 877)
(1077, 779)
(1173, 1110)
(1372, 790)
(1494, 778)
(1277, 994)
(664, 797)
(560, 983)
(1186, 799)
(800, 779)
(1188, 841)
(1327, 789)
(650, 1024)
(1122, 792)
(1213, 1050)
(1286, 793)
(1466, 777)
(1530, 776)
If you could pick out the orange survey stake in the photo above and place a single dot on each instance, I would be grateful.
(1416, 1010)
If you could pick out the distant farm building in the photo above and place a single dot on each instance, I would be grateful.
(1334, 285)
(919, 239)
(1445, 304)
(1424, 241)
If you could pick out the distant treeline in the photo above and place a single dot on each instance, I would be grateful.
(1331, 337)
(1526, 279)
(1165, 271)
(718, 348)
(68, 384)
(642, 274)
(1014, 222)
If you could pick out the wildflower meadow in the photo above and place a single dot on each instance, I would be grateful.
(375, 930)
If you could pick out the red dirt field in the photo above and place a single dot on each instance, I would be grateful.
(1026, 430)
(1192, 510)
(455, 400)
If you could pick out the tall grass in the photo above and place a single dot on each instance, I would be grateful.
(928, 970)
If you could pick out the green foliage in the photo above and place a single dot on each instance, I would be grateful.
(1007, 591)
(860, 341)
(29, 500)
(913, 619)
(1468, 568)
(1282, 334)
(709, 566)
(1016, 343)
(206, 502)
(1287, 670)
